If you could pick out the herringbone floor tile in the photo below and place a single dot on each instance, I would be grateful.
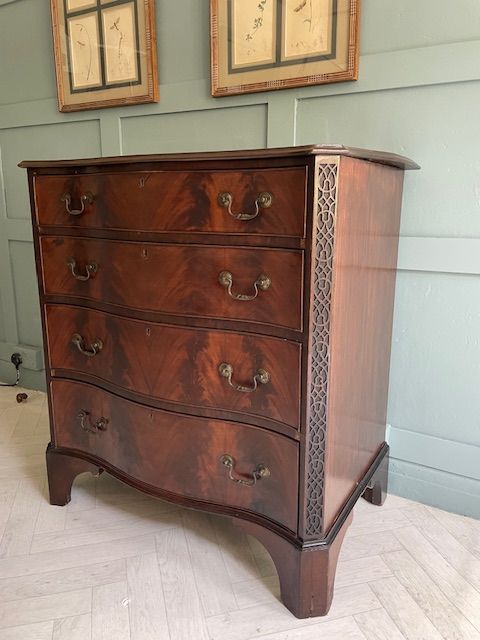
(117, 565)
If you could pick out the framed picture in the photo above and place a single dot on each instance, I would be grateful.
(105, 53)
(259, 45)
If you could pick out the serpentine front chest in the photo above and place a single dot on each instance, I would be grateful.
(217, 333)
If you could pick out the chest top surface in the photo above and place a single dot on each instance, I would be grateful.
(380, 157)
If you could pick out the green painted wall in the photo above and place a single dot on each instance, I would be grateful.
(418, 95)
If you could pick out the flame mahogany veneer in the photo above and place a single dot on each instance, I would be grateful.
(217, 333)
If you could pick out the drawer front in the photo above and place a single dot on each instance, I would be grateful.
(181, 454)
(178, 279)
(178, 364)
(270, 201)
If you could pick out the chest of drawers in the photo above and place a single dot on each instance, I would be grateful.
(217, 333)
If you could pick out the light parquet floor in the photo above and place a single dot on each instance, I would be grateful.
(117, 565)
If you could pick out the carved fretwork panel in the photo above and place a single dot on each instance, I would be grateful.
(324, 234)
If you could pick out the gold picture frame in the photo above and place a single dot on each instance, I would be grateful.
(105, 53)
(260, 45)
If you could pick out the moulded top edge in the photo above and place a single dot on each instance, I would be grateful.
(381, 157)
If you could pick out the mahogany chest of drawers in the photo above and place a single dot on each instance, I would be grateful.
(217, 333)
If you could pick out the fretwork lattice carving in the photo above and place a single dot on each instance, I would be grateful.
(320, 347)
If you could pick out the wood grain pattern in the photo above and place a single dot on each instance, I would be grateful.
(179, 587)
(444, 615)
(403, 609)
(159, 238)
(50, 582)
(378, 625)
(36, 631)
(363, 290)
(179, 365)
(307, 576)
(465, 562)
(74, 628)
(17, 539)
(196, 572)
(61, 472)
(95, 535)
(110, 612)
(178, 279)
(180, 454)
(147, 614)
(190, 198)
(455, 587)
(264, 620)
(236, 156)
(43, 608)
(213, 582)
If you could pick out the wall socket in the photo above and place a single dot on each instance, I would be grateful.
(32, 357)
(16, 360)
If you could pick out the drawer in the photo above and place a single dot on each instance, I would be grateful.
(179, 365)
(196, 281)
(268, 201)
(180, 454)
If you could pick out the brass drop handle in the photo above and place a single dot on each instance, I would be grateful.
(226, 371)
(95, 347)
(91, 268)
(226, 280)
(263, 201)
(86, 198)
(260, 471)
(87, 424)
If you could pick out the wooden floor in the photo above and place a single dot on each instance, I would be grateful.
(117, 565)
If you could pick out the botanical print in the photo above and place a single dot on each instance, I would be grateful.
(120, 43)
(307, 25)
(105, 53)
(253, 32)
(264, 45)
(84, 51)
(257, 21)
(76, 5)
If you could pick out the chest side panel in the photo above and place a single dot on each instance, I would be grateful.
(363, 289)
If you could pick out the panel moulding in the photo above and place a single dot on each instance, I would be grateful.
(439, 64)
